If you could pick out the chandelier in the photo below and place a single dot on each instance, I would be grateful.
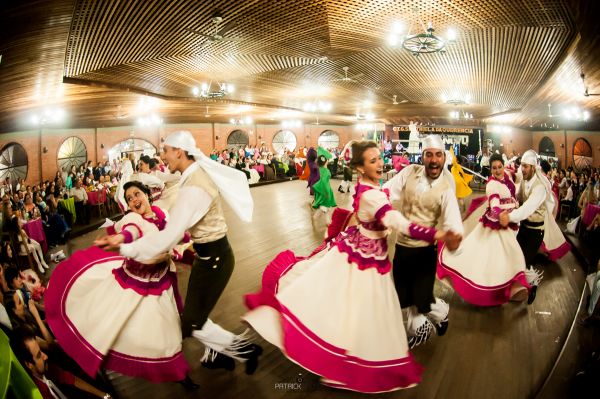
(206, 90)
(460, 115)
(575, 114)
(420, 43)
(317, 106)
(47, 117)
(241, 121)
(456, 98)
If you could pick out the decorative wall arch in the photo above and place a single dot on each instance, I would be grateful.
(582, 154)
(13, 162)
(284, 140)
(546, 147)
(71, 152)
(329, 139)
(137, 147)
(237, 139)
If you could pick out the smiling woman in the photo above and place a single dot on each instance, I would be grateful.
(138, 294)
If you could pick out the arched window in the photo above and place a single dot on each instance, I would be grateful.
(547, 147)
(329, 139)
(137, 147)
(71, 152)
(237, 139)
(284, 140)
(13, 162)
(582, 154)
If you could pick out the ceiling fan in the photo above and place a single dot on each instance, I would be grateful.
(218, 35)
(346, 78)
(396, 102)
(120, 114)
(586, 93)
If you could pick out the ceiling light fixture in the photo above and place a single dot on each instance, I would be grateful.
(206, 90)
(291, 124)
(456, 98)
(460, 115)
(571, 114)
(241, 121)
(420, 43)
(366, 126)
(48, 116)
(149, 120)
(317, 106)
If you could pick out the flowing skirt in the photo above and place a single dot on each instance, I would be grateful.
(335, 320)
(554, 245)
(103, 316)
(487, 269)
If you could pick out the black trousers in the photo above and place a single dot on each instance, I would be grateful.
(347, 174)
(530, 241)
(82, 212)
(211, 271)
(414, 276)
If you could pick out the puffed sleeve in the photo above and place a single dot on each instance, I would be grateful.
(492, 191)
(377, 202)
(129, 227)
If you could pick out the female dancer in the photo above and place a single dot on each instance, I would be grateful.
(324, 198)
(489, 267)
(311, 171)
(361, 345)
(344, 160)
(116, 313)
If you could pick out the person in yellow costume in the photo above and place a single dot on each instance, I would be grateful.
(461, 178)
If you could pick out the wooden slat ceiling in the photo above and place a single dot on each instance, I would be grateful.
(511, 55)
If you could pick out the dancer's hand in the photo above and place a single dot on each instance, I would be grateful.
(110, 243)
(452, 240)
(503, 219)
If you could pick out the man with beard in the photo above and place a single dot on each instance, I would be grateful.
(426, 196)
(533, 195)
(27, 350)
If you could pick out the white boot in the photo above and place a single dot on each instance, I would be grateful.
(439, 316)
(418, 328)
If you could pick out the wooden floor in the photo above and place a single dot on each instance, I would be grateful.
(499, 352)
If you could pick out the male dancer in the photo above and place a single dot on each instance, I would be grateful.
(426, 196)
(533, 195)
(198, 209)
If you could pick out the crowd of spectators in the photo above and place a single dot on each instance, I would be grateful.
(259, 163)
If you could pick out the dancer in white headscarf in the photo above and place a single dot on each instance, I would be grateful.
(534, 196)
(198, 210)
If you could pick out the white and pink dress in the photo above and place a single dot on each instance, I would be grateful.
(554, 245)
(336, 313)
(111, 312)
(488, 268)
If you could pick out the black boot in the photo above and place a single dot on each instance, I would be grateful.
(340, 189)
(188, 384)
(441, 327)
(531, 296)
(220, 361)
(252, 353)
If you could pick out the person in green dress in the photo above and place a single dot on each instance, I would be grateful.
(324, 198)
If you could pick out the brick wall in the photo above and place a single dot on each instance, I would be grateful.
(564, 141)
(42, 148)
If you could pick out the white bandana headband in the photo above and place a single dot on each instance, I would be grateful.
(232, 183)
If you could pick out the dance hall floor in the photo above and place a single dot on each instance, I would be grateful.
(500, 352)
